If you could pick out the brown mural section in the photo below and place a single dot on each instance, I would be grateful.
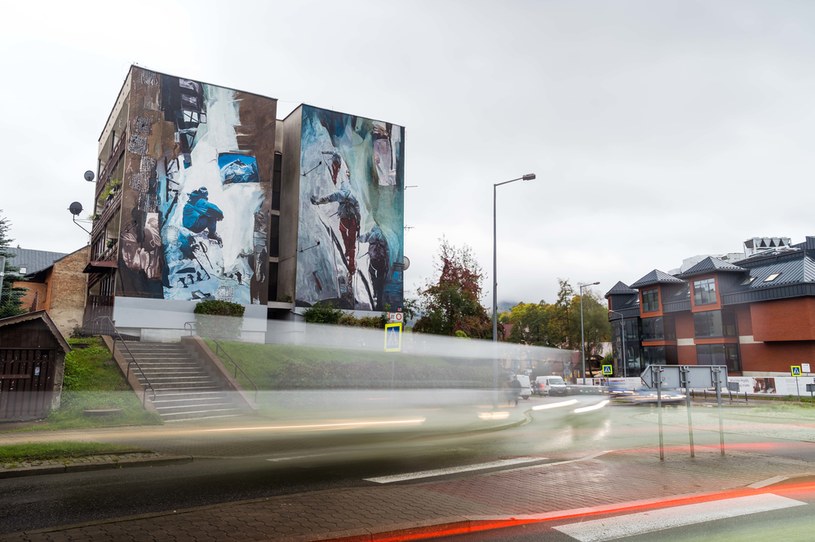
(196, 205)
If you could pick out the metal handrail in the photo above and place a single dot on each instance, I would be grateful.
(219, 350)
(190, 326)
(118, 336)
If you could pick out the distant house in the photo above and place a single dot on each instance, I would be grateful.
(32, 366)
(54, 282)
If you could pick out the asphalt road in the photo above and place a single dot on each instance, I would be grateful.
(227, 468)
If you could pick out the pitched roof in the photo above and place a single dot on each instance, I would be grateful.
(656, 277)
(620, 288)
(712, 265)
(32, 260)
(787, 271)
(38, 315)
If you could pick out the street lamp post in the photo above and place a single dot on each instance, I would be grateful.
(582, 339)
(622, 333)
(527, 177)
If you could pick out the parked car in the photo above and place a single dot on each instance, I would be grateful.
(550, 385)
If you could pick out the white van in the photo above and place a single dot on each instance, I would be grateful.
(550, 385)
(526, 386)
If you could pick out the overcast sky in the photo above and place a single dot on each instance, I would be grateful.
(658, 130)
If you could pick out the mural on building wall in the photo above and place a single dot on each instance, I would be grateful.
(198, 227)
(351, 222)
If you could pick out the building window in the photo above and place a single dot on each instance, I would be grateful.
(704, 292)
(650, 300)
(714, 324)
(719, 354)
(659, 355)
(772, 277)
(657, 329)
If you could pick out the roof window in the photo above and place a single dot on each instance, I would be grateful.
(748, 280)
(772, 277)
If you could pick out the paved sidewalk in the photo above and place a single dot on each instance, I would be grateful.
(362, 513)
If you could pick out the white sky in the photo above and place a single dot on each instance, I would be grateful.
(658, 130)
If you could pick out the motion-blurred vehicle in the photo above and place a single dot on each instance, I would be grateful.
(550, 385)
(645, 396)
(526, 386)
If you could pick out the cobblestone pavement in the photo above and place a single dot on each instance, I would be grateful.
(362, 513)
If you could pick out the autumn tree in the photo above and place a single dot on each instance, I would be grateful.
(451, 305)
(558, 324)
(10, 297)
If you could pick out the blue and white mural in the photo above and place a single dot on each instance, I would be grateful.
(204, 205)
(351, 222)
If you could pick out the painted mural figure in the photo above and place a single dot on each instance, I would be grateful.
(348, 212)
(334, 164)
(378, 261)
(200, 214)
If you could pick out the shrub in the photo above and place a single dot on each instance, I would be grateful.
(215, 307)
(218, 319)
(322, 313)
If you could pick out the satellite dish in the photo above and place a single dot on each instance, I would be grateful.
(89, 176)
(75, 208)
(405, 263)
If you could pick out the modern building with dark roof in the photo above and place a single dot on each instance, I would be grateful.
(755, 315)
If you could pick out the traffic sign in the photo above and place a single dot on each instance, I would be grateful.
(393, 337)
(395, 317)
(795, 370)
(608, 370)
(684, 376)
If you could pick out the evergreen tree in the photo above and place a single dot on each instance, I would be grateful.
(10, 297)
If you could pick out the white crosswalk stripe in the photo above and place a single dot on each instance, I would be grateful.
(599, 530)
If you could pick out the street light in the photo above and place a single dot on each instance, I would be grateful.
(582, 340)
(622, 333)
(527, 177)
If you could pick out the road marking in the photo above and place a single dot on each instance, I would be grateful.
(296, 457)
(597, 530)
(768, 482)
(453, 470)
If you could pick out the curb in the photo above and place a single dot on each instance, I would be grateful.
(84, 467)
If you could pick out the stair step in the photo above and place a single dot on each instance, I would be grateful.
(184, 389)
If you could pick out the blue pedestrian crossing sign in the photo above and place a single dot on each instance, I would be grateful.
(795, 370)
(608, 370)
(393, 337)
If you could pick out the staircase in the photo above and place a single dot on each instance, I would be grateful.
(184, 389)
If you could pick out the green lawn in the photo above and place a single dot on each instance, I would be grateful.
(15, 453)
(279, 367)
(93, 382)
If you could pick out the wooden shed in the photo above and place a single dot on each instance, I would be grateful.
(32, 365)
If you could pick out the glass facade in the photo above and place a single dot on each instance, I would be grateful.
(659, 328)
(659, 355)
(714, 324)
(650, 300)
(704, 292)
(719, 354)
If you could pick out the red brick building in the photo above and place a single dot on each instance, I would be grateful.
(755, 315)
